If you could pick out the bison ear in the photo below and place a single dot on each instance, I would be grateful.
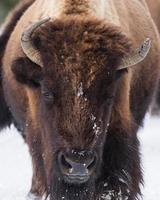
(136, 56)
(26, 72)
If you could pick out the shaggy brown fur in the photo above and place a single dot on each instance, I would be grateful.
(5, 116)
(68, 42)
(80, 51)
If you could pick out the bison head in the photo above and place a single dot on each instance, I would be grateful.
(72, 70)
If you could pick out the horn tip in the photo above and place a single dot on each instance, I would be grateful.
(46, 19)
(148, 42)
(145, 47)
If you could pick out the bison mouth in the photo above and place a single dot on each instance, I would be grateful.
(68, 191)
(76, 179)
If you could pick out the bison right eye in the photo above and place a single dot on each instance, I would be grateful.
(48, 96)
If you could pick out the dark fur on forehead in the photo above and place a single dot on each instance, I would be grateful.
(72, 51)
(84, 42)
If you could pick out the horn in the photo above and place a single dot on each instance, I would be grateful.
(27, 45)
(136, 56)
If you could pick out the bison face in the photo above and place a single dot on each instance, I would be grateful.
(74, 113)
(74, 88)
(75, 109)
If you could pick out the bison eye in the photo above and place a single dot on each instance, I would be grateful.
(48, 96)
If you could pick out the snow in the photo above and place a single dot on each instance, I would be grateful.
(16, 170)
(80, 90)
(150, 145)
(15, 166)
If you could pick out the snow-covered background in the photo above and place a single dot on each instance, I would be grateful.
(16, 170)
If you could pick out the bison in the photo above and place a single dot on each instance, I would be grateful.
(77, 77)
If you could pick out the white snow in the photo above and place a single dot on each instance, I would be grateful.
(96, 129)
(16, 170)
(150, 145)
(15, 166)
(80, 90)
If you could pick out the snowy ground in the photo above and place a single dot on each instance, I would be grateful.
(15, 164)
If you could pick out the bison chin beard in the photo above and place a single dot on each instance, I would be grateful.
(61, 190)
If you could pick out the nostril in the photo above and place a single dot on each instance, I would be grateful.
(77, 167)
(92, 164)
(64, 164)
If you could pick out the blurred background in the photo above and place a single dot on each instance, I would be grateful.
(5, 6)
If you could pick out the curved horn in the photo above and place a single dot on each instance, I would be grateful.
(136, 56)
(27, 45)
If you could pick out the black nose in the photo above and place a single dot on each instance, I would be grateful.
(77, 166)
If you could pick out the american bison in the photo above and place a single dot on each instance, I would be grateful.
(77, 77)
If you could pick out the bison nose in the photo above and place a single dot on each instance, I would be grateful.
(77, 166)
